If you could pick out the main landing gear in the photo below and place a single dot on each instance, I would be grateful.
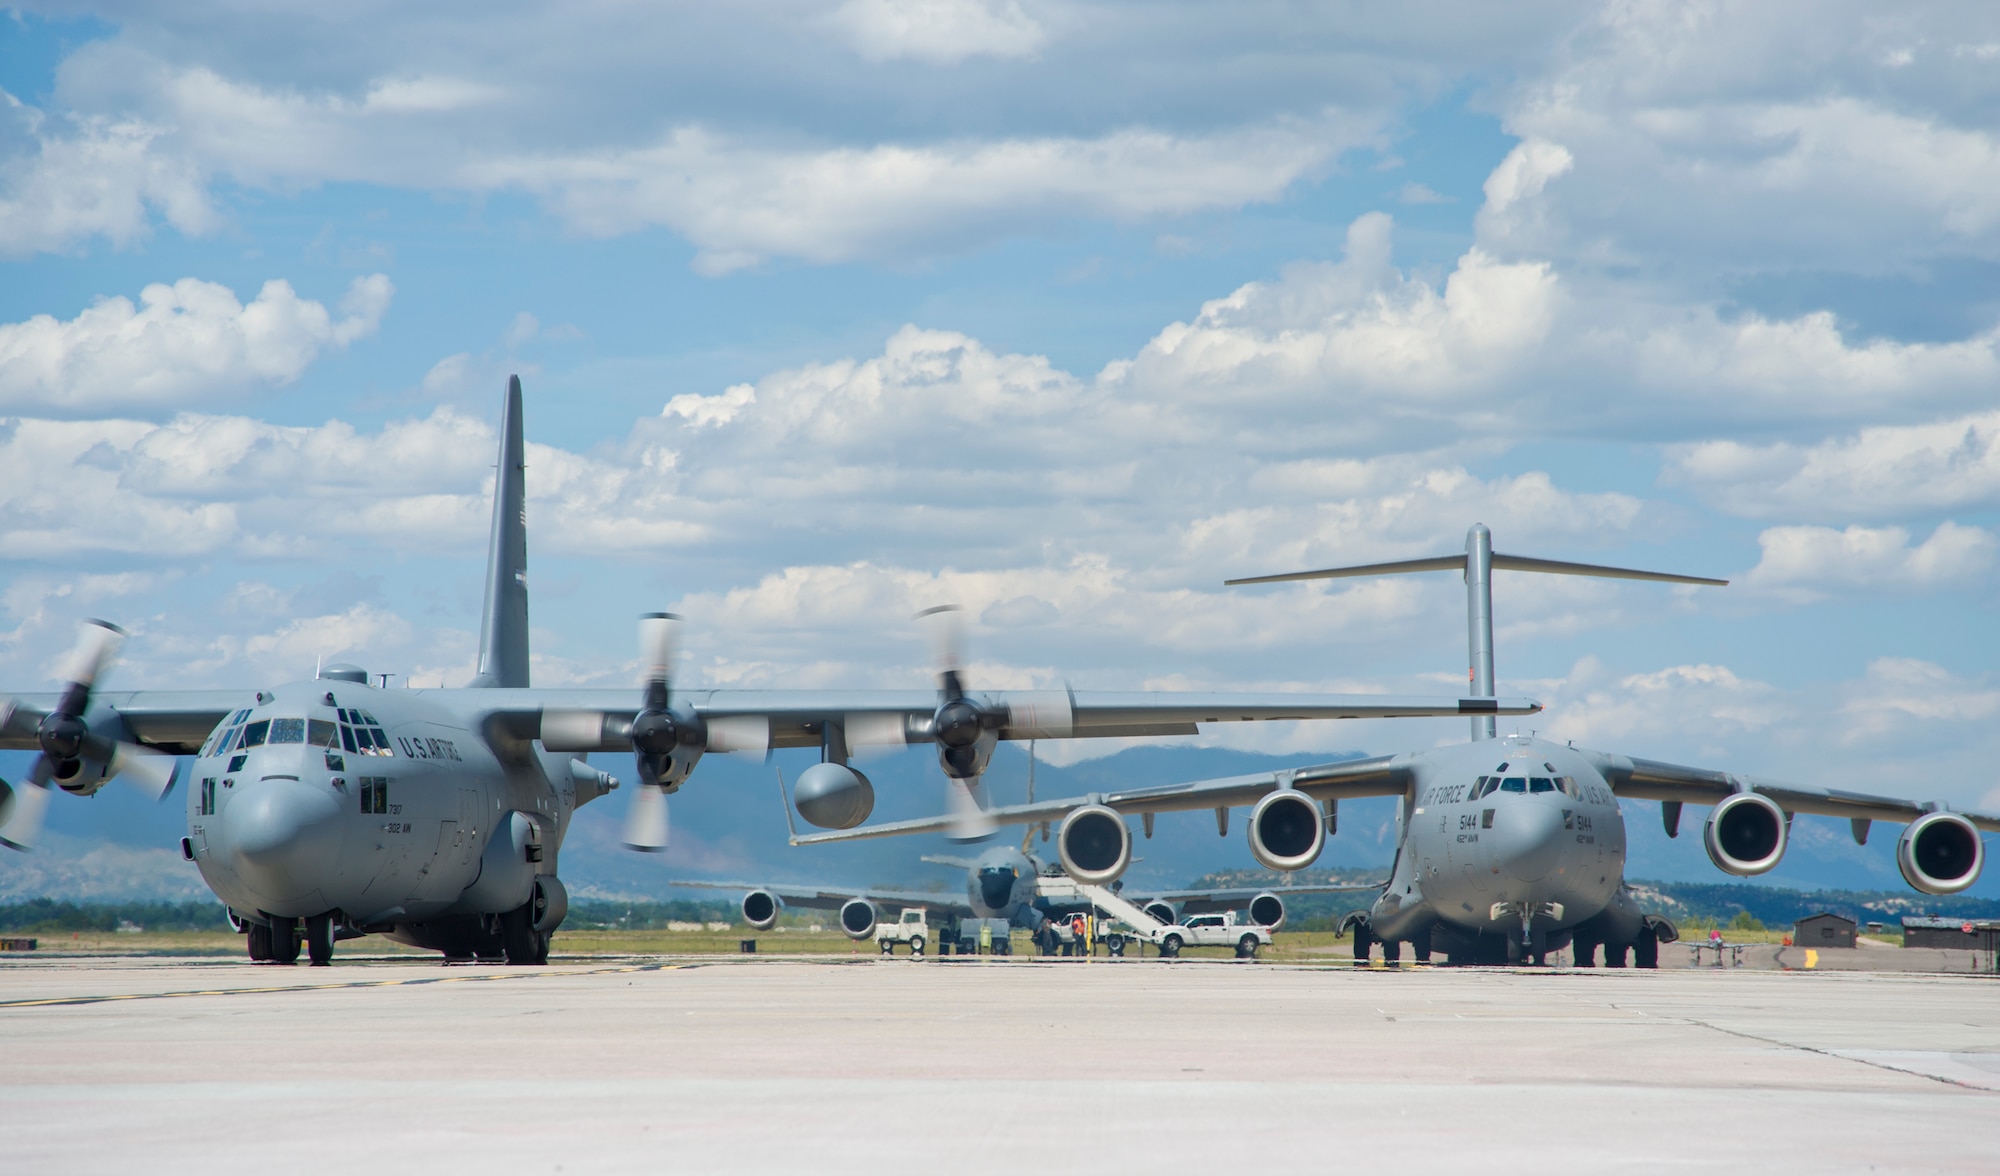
(276, 942)
(522, 943)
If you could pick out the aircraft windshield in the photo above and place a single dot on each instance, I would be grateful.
(288, 731)
(253, 735)
(1514, 784)
(1541, 784)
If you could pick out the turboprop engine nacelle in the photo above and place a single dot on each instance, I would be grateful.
(1268, 910)
(858, 918)
(1745, 834)
(1094, 844)
(760, 909)
(1286, 831)
(1940, 853)
(833, 796)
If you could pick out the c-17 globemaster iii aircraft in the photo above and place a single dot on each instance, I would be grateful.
(1507, 848)
(331, 808)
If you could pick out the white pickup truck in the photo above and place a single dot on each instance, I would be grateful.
(913, 929)
(1217, 930)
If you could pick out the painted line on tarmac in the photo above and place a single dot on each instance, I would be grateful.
(107, 998)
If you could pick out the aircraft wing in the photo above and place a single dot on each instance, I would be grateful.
(1643, 779)
(1380, 776)
(798, 718)
(177, 722)
(1235, 898)
(832, 898)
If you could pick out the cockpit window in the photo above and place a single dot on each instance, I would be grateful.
(1568, 786)
(288, 731)
(1541, 784)
(1514, 784)
(321, 733)
(253, 735)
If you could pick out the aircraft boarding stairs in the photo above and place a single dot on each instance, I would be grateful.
(1062, 886)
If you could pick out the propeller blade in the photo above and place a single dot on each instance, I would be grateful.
(656, 647)
(877, 730)
(744, 733)
(18, 721)
(966, 805)
(1040, 714)
(946, 623)
(577, 730)
(96, 645)
(646, 823)
(144, 768)
(21, 809)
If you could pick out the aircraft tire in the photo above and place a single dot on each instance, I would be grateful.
(524, 945)
(1170, 947)
(284, 941)
(319, 940)
(1646, 950)
(1583, 952)
(1364, 943)
(1615, 954)
(259, 942)
(1246, 948)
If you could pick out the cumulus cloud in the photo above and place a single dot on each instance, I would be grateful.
(940, 32)
(185, 343)
(739, 197)
(740, 202)
(1886, 470)
(1807, 563)
(1727, 138)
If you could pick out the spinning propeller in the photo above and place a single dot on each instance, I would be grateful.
(74, 757)
(667, 738)
(965, 728)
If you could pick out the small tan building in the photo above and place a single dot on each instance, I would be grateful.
(1825, 929)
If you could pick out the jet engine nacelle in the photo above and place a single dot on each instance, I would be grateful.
(1268, 910)
(1094, 844)
(1162, 911)
(1745, 834)
(1286, 831)
(1940, 853)
(833, 796)
(760, 909)
(858, 918)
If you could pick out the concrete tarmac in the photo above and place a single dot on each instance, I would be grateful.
(723, 1065)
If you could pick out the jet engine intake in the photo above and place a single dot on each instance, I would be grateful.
(833, 796)
(760, 909)
(1162, 911)
(1268, 910)
(1745, 834)
(1094, 844)
(858, 918)
(1940, 853)
(1286, 832)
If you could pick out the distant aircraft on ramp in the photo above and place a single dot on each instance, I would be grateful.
(1507, 848)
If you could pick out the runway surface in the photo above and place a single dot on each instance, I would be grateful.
(1056, 1066)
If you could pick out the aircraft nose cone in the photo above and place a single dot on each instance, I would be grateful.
(1526, 839)
(282, 836)
(996, 887)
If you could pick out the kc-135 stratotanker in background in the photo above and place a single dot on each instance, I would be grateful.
(1510, 848)
(331, 808)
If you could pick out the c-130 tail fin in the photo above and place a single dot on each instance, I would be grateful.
(503, 630)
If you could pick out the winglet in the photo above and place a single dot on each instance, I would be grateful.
(503, 630)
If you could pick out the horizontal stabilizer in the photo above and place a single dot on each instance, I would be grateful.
(1512, 563)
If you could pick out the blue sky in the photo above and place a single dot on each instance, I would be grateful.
(1063, 312)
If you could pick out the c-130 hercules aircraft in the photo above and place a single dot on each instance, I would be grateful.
(330, 808)
(1507, 849)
